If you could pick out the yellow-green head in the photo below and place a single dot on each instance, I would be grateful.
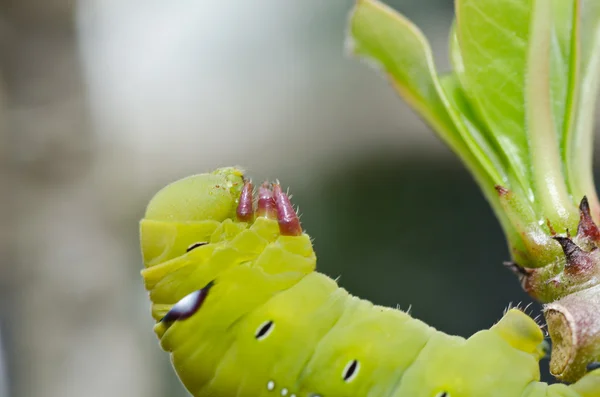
(188, 209)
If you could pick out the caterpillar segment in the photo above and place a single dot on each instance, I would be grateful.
(242, 312)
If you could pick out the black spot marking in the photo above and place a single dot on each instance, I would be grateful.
(442, 394)
(350, 371)
(195, 245)
(593, 365)
(264, 330)
(188, 305)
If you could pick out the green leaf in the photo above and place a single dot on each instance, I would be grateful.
(493, 39)
(478, 141)
(515, 181)
(517, 109)
(470, 129)
(398, 47)
(392, 43)
(513, 60)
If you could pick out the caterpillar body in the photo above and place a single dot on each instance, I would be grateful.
(243, 312)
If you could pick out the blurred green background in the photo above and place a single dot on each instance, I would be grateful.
(103, 102)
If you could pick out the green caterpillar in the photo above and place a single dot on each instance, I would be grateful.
(243, 312)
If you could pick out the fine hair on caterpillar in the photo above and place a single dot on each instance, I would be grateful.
(240, 307)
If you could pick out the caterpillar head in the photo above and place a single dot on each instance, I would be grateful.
(195, 229)
(198, 197)
(185, 212)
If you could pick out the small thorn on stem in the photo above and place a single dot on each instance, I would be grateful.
(502, 191)
(578, 260)
(516, 269)
(552, 231)
(289, 224)
(587, 227)
(266, 202)
(523, 274)
(245, 208)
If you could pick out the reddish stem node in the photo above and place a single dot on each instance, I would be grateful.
(578, 261)
(289, 224)
(587, 227)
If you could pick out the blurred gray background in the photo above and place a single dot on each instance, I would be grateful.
(102, 102)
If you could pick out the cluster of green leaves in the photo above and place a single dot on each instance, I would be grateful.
(517, 108)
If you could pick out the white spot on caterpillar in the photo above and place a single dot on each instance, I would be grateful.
(187, 303)
(351, 371)
(270, 385)
(264, 330)
(284, 391)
